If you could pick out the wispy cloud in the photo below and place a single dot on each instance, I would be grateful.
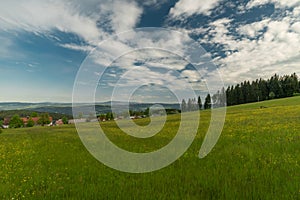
(278, 4)
(259, 49)
(186, 8)
(46, 16)
(77, 47)
(244, 49)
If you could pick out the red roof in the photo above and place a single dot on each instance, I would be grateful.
(35, 119)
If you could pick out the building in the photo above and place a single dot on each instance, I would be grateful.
(35, 119)
(25, 120)
(73, 121)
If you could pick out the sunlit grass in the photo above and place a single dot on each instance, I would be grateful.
(257, 157)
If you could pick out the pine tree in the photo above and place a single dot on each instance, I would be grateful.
(223, 97)
(207, 104)
(190, 105)
(199, 103)
(183, 106)
(263, 86)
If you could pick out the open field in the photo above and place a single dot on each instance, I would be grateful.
(257, 157)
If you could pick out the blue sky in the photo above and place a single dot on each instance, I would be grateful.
(43, 43)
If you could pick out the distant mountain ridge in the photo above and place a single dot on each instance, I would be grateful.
(66, 108)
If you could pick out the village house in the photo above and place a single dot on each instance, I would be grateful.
(73, 121)
(35, 119)
(6, 122)
(25, 120)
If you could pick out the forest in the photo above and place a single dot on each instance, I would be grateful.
(275, 87)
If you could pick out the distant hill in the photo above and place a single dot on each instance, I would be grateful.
(25, 113)
(66, 108)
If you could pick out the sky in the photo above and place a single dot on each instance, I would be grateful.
(46, 44)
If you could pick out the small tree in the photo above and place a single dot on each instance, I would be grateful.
(80, 115)
(272, 95)
(44, 119)
(30, 123)
(34, 114)
(110, 116)
(102, 117)
(16, 122)
(65, 120)
(147, 112)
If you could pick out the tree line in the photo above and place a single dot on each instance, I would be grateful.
(247, 92)
(260, 90)
(43, 119)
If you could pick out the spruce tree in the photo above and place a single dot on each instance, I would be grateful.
(207, 104)
(199, 103)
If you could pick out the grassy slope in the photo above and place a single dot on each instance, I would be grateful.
(257, 157)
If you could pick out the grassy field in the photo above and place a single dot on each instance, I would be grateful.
(257, 157)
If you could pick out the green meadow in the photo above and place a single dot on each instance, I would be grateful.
(256, 157)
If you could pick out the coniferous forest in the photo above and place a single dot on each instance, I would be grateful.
(248, 92)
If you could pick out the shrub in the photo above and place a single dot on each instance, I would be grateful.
(65, 120)
(30, 123)
(16, 122)
(44, 119)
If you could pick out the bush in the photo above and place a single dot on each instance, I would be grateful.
(16, 122)
(65, 120)
(30, 123)
(44, 119)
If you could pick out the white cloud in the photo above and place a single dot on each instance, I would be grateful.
(155, 3)
(123, 15)
(220, 33)
(191, 75)
(187, 8)
(254, 29)
(42, 16)
(139, 76)
(4, 47)
(81, 19)
(278, 3)
(77, 47)
(296, 11)
(275, 51)
(296, 27)
(164, 49)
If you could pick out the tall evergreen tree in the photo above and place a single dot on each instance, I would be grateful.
(207, 103)
(215, 99)
(258, 90)
(239, 95)
(199, 103)
(263, 86)
(223, 97)
(183, 106)
(190, 105)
